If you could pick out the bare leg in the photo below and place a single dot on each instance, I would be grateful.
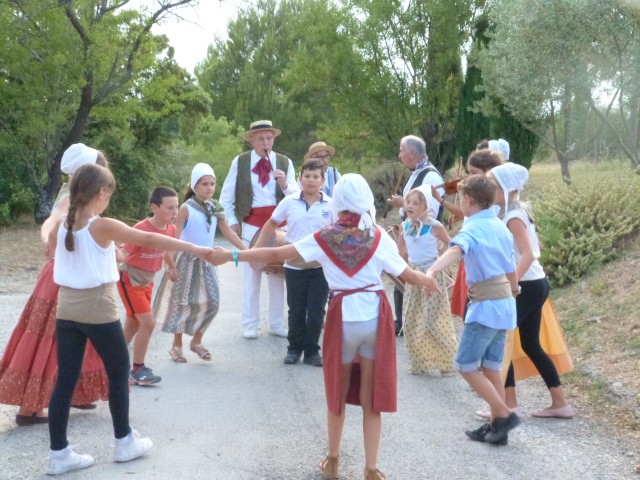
(557, 397)
(371, 420)
(31, 413)
(197, 339)
(177, 340)
(510, 397)
(130, 328)
(146, 323)
(488, 384)
(336, 422)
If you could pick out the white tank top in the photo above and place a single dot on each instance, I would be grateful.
(89, 265)
(422, 248)
(197, 230)
(535, 271)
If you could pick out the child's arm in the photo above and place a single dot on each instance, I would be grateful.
(267, 232)
(106, 230)
(513, 280)
(121, 254)
(451, 255)
(521, 239)
(51, 223)
(230, 235)
(441, 234)
(170, 266)
(402, 247)
(52, 239)
(264, 255)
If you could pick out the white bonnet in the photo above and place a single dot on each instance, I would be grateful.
(502, 146)
(352, 193)
(511, 177)
(199, 171)
(425, 189)
(76, 156)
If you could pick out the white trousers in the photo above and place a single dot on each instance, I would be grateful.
(251, 290)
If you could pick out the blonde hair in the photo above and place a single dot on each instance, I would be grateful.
(423, 200)
(85, 185)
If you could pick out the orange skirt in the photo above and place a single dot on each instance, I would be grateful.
(551, 340)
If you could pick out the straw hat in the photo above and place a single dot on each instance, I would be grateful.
(260, 126)
(318, 147)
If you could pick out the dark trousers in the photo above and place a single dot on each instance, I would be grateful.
(108, 340)
(529, 309)
(398, 298)
(307, 293)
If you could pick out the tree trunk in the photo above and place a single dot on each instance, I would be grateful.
(563, 158)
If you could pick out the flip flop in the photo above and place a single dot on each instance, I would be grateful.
(25, 420)
(202, 352)
(84, 406)
(176, 355)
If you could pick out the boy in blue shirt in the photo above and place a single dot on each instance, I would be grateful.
(487, 248)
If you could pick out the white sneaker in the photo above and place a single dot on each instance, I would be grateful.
(278, 331)
(136, 447)
(73, 461)
(250, 333)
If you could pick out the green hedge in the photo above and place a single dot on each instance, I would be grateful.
(581, 226)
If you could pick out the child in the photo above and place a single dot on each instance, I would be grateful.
(87, 273)
(307, 289)
(534, 288)
(487, 247)
(353, 252)
(138, 266)
(29, 365)
(428, 329)
(190, 304)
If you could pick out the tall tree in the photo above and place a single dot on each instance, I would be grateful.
(70, 56)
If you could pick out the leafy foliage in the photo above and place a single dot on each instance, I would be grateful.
(581, 226)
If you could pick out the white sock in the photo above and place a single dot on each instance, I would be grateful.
(60, 454)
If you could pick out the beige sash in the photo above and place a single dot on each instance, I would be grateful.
(495, 288)
(88, 305)
(138, 277)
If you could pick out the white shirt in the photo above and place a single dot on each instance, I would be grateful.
(197, 230)
(302, 219)
(262, 196)
(421, 249)
(535, 271)
(89, 265)
(362, 306)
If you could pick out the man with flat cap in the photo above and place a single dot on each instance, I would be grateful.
(256, 182)
(325, 153)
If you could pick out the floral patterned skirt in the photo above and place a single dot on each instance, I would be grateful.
(29, 365)
(428, 328)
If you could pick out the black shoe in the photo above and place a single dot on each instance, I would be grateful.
(292, 358)
(314, 360)
(479, 435)
(501, 426)
(398, 326)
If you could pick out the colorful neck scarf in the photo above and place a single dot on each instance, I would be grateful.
(208, 207)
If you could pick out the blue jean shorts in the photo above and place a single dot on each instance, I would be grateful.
(480, 346)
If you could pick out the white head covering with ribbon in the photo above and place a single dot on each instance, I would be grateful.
(352, 193)
(502, 146)
(76, 156)
(511, 177)
(199, 171)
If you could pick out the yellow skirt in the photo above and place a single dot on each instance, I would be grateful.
(551, 340)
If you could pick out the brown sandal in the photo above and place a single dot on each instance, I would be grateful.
(329, 468)
(176, 355)
(201, 351)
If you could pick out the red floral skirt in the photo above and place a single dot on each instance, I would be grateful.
(29, 365)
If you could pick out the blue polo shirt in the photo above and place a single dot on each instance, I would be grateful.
(487, 246)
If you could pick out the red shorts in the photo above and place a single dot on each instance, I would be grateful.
(136, 299)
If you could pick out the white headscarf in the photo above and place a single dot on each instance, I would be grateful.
(511, 177)
(199, 171)
(352, 193)
(502, 146)
(76, 156)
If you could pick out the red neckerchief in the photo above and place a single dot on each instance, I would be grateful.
(263, 170)
(348, 247)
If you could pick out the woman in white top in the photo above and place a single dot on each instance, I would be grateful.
(86, 271)
(534, 288)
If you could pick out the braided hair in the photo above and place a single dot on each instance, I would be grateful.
(85, 185)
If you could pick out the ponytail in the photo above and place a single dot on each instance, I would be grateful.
(188, 194)
(71, 218)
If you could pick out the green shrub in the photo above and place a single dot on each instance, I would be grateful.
(580, 226)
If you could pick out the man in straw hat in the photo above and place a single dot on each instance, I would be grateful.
(324, 152)
(256, 182)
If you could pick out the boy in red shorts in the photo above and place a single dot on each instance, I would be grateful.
(138, 266)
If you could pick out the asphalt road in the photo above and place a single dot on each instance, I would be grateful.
(246, 416)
